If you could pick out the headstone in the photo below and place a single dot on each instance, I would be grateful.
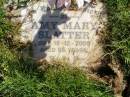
(60, 34)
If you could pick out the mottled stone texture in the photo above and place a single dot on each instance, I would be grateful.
(65, 34)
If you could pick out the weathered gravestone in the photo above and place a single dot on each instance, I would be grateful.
(65, 34)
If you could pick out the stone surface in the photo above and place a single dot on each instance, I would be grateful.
(64, 34)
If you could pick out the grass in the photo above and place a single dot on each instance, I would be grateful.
(118, 33)
(56, 81)
(5, 25)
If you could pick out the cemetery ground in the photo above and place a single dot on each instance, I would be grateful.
(109, 76)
